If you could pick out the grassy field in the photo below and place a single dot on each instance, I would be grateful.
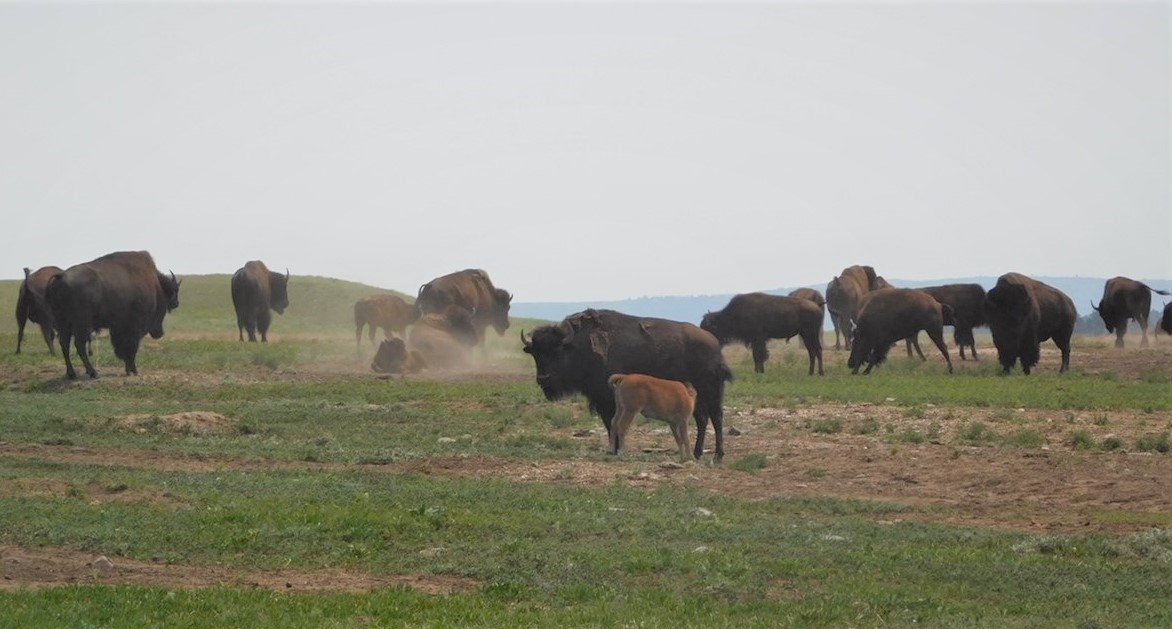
(238, 484)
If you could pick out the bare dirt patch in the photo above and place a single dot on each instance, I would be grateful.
(22, 568)
(187, 423)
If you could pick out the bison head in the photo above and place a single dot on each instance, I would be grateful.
(1106, 313)
(714, 324)
(279, 292)
(554, 353)
(500, 316)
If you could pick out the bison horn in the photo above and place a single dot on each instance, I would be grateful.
(1093, 307)
(173, 277)
(286, 274)
(524, 341)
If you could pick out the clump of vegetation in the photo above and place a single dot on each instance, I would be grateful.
(909, 436)
(1081, 440)
(749, 463)
(827, 426)
(976, 433)
(1026, 439)
(1154, 443)
(1112, 443)
(868, 426)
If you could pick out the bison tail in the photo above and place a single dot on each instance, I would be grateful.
(725, 374)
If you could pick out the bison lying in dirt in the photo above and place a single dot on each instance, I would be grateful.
(579, 354)
(889, 315)
(754, 318)
(444, 339)
(1022, 312)
(394, 357)
(666, 400)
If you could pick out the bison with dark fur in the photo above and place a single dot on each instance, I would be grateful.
(1022, 312)
(31, 306)
(123, 292)
(889, 315)
(580, 353)
(1165, 322)
(842, 299)
(1123, 299)
(754, 318)
(256, 290)
(388, 312)
(967, 302)
(472, 290)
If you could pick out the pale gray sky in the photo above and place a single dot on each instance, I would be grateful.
(591, 151)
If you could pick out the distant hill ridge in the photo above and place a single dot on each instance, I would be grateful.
(1083, 290)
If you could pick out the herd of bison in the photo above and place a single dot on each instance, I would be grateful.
(126, 294)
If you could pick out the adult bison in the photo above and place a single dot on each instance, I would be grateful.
(444, 339)
(1123, 299)
(1022, 312)
(754, 318)
(580, 353)
(31, 306)
(388, 312)
(967, 302)
(809, 294)
(123, 292)
(1165, 322)
(472, 290)
(256, 289)
(889, 315)
(842, 299)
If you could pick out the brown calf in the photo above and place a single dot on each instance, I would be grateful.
(666, 400)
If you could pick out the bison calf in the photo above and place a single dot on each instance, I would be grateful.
(671, 401)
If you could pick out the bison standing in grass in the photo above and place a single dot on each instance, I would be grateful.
(1022, 312)
(666, 400)
(892, 314)
(31, 306)
(579, 354)
(843, 294)
(967, 302)
(754, 318)
(256, 290)
(388, 312)
(123, 292)
(1123, 299)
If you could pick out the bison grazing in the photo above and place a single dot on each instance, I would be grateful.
(579, 354)
(842, 299)
(388, 312)
(123, 292)
(666, 400)
(256, 289)
(754, 318)
(31, 306)
(1123, 299)
(889, 315)
(968, 311)
(443, 339)
(472, 290)
(1022, 312)
(394, 357)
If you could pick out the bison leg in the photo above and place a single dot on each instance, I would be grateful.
(760, 355)
(679, 431)
(263, 319)
(81, 343)
(619, 426)
(64, 339)
(937, 337)
(47, 332)
(813, 345)
(913, 342)
(1119, 332)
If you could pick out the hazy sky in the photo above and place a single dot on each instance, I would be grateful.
(591, 150)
